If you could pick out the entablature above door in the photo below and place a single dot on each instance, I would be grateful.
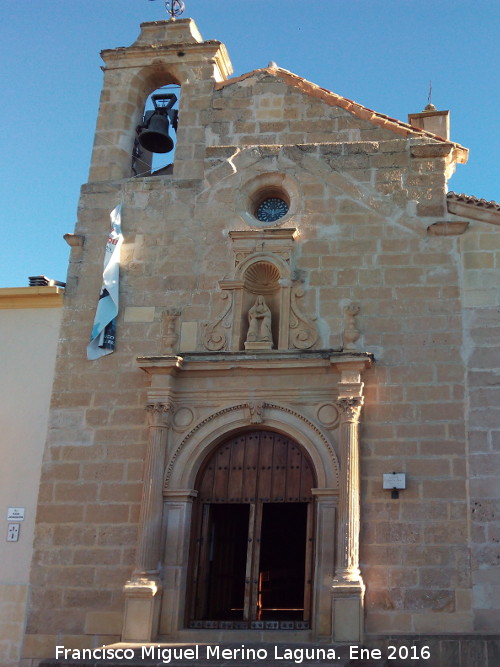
(320, 369)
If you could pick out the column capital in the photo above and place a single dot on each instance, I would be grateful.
(182, 495)
(326, 495)
(160, 413)
(350, 408)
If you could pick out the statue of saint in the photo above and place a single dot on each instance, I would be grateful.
(259, 322)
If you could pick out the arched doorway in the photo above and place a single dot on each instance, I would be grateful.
(252, 539)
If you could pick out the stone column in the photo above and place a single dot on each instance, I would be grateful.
(347, 569)
(348, 588)
(143, 591)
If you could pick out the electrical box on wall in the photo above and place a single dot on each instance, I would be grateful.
(13, 532)
(14, 514)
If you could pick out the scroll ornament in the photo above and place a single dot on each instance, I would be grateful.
(214, 336)
(303, 333)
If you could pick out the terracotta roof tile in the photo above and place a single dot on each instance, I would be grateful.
(473, 208)
(473, 201)
(397, 126)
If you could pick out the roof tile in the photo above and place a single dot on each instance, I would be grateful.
(397, 126)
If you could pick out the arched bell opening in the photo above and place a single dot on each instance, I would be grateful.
(252, 536)
(156, 133)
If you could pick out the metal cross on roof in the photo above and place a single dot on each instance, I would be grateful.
(174, 8)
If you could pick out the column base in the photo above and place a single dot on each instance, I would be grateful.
(348, 611)
(142, 609)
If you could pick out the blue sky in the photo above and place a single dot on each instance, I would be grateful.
(379, 53)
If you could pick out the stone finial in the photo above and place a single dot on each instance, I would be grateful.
(351, 333)
(170, 335)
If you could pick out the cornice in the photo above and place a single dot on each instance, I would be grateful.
(141, 55)
(31, 297)
(261, 362)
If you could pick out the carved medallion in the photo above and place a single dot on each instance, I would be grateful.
(183, 418)
(328, 415)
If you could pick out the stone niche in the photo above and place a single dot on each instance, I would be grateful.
(262, 272)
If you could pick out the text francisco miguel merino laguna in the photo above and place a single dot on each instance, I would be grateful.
(197, 652)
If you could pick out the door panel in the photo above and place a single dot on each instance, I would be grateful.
(257, 466)
(223, 558)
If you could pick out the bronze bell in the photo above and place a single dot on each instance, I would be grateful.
(155, 137)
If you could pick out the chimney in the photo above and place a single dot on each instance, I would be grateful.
(432, 120)
(43, 281)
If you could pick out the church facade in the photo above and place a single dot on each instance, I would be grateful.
(297, 433)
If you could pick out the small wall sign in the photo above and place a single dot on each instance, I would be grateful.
(15, 514)
(395, 480)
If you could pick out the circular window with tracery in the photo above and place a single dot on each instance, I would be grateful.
(268, 200)
(271, 209)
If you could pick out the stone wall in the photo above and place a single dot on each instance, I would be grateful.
(481, 300)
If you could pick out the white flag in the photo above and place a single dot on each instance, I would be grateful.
(102, 339)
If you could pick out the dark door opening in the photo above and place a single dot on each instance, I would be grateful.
(282, 561)
(224, 562)
(251, 555)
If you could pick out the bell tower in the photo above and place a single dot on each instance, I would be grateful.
(166, 52)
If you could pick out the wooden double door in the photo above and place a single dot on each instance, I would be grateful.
(253, 533)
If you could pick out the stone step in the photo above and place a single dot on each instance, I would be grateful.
(215, 655)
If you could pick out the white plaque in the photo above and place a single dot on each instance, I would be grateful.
(15, 514)
(395, 480)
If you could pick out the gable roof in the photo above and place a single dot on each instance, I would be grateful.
(396, 126)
